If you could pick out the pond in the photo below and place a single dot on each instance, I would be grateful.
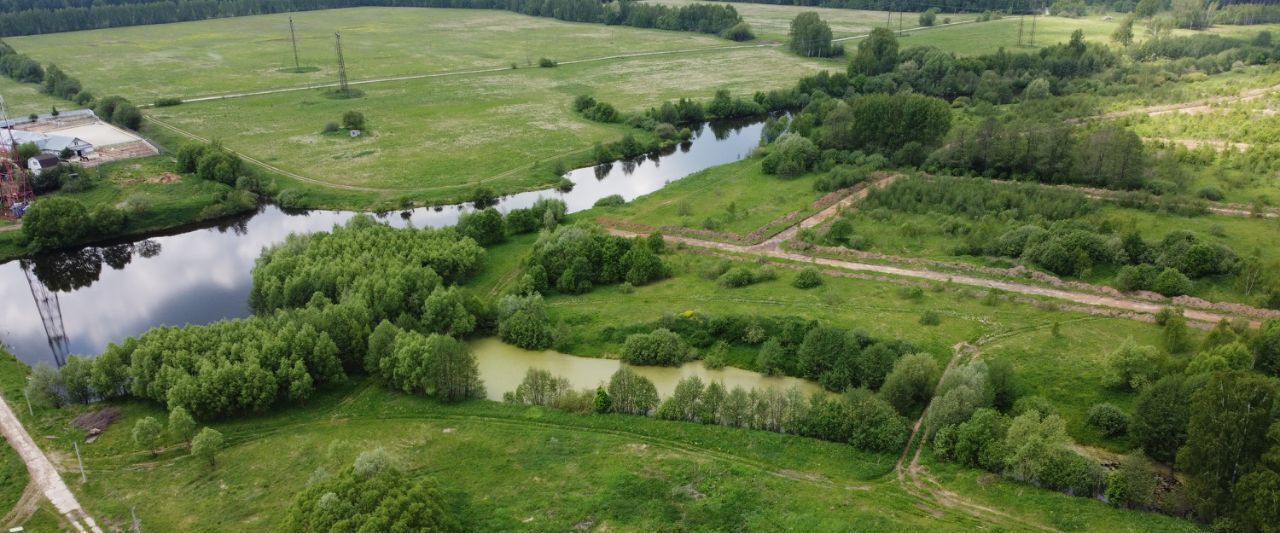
(503, 366)
(79, 301)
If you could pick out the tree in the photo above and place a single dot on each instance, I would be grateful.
(445, 312)
(1132, 485)
(1171, 282)
(910, 385)
(1124, 33)
(435, 365)
(56, 222)
(76, 379)
(1038, 89)
(929, 16)
(791, 156)
(1134, 367)
(631, 393)
(643, 264)
(877, 54)
(206, 445)
(883, 123)
(1267, 348)
(146, 433)
(44, 387)
(978, 442)
(181, 425)
(1032, 440)
(1226, 437)
(810, 36)
(522, 321)
(1160, 417)
(353, 120)
(602, 404)
(876, 426)
(27, 151)
(660, 347)
(485, 226)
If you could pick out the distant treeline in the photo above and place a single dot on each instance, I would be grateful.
(30, 18)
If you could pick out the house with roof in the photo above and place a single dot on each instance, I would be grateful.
(49, 144)
(41, 163)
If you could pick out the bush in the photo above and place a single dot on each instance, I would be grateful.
(910, 385)
(929, 17)
(791, 156)
(546, 62)
(330, 127)
(662, 347)
(1108, 419)
(930, 318)
(876, 426)
(1171, 282)
(1136, 277)
(738, 32)
(736, 277)
(168, 102)
(610, 201)
(808, 278)
(1211, 194)
(353, 120)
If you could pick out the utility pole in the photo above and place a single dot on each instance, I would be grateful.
(900, 31)
(1033, 28)
(342, 66)
(1021, 20)
(83, 478)
(294, 37)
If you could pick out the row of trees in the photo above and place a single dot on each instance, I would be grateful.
(23, 19)
(858, 417)
(574, 259)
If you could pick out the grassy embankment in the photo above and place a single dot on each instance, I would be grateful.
(152, 196)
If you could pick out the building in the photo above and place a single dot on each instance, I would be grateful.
(41, 163)
(50, 144)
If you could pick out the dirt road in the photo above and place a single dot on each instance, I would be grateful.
(43, 475)
(773, 248)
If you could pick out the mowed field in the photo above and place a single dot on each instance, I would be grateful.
(22, 99)
(429, 139)
(242, 54)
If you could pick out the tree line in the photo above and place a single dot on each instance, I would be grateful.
(30, 19)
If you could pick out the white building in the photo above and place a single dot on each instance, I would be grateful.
(41, 163)
(49, 144)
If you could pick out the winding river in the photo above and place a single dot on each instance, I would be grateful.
(76, 302)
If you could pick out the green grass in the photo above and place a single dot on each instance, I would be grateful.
(151, 205)
(240, 54)
(735, 198)
(22, 99)
(532, 469)
(434, 140)
(1018, 332)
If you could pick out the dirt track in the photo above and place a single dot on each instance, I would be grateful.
(773, 248)
(43, 475)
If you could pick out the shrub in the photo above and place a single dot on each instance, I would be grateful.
(330, 127)
(876, 426)
(738, 32)
(1211, 194)
(1108, 419)
(808, 278)
(736, 277)
(546, 62)
(168, 102)
(910, 385)
(610, 201)
(1136, 277)
(1171, 282)
(353, 120)
(1134, 367)
(791, 156)
(930, 318)
(661, 347)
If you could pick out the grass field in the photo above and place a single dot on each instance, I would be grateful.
(22, 99)
(734, 198)
(436, 139)
(244, 54)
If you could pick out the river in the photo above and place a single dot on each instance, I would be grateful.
(79, 301)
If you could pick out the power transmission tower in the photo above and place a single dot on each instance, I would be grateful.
(900, 30)
(294, 37)
(1033, 26)
(342, 66)
(50, 315)
(1021, 20)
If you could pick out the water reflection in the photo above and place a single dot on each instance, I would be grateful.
(203, 274)
(503, 366)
